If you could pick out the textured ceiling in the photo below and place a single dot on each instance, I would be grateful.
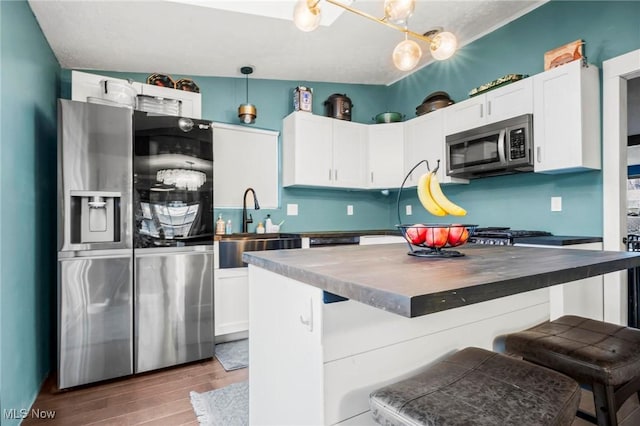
(192, 40)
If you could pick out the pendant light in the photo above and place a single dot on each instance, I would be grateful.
(247, 112)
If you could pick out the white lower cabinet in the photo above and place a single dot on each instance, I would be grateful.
(584, 298)
(316, 364)
(231, 300)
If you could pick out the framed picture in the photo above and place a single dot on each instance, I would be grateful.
(563, 54)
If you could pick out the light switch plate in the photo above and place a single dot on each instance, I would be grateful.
(556, 204)
(292, 210)
(349, 210)
(408, 210)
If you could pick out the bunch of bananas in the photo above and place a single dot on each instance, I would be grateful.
(433, 199)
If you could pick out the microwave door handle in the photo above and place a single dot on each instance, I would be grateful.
(501, 146)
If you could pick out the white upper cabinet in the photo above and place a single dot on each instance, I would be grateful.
(244, 157)
(385, 155)
(566, 122)
(85, 85)
(499, 104)
(322, 151)
(424, 140)
(349, 153)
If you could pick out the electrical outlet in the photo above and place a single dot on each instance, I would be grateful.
(408, 210)
(556, 204)
(292, 210)
(349, 210)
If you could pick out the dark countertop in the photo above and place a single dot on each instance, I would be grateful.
(328, 234)
(385, 277)
(314, 234)
(557, 240)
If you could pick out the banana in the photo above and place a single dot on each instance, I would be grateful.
(441, 200)
(425, 197)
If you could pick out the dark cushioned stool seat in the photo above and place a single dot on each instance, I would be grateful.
(604, 356)
(479, 387)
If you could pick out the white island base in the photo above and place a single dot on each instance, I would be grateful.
(316, 364)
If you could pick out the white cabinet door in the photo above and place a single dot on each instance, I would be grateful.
(385, 155)
(307, 155)
(499, 104)
(510, 101)
(285, 386)
(349, 154)
(465, 115)
(191, 103)
(244, 158)
(231, 300)
(424, 140)
(566, 125)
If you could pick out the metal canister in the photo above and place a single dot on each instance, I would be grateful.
(338, 106)
(302, 98)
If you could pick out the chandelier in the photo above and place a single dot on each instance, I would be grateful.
(190, 180)
(407, 53)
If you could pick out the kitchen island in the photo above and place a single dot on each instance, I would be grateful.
(316, 363)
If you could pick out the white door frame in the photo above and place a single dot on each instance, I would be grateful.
(616, 72)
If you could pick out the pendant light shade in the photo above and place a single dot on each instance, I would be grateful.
(306, 15)
(399, 11)
(406, 55)
(247, 113)
(443, 45)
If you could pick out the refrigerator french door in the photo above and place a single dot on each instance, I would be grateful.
(173, 241)
(95, 244)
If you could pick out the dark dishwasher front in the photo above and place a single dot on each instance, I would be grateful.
(332, 241)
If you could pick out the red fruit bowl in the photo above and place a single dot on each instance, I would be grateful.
(432, 238)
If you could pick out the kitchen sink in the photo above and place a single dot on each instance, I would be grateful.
(232, 246)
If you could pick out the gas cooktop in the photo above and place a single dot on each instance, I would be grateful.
(502, 236)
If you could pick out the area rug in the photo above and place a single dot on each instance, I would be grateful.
(228, 406)
(233, 355)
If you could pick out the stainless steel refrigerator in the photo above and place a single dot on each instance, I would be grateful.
(135, 227)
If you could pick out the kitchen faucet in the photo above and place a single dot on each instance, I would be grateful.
(246, 221)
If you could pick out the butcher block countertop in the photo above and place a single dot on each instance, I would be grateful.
(385, 277)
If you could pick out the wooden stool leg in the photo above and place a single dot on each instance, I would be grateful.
(604, 398)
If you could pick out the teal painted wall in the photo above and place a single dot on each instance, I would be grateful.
(319, 209)
(30, 78)
(609, 28)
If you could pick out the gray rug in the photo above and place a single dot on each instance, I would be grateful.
(228, 406)
(233, 355)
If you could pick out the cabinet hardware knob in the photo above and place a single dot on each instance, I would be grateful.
(539, 154)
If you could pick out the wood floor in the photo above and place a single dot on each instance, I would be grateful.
(162, 398)
(158, 398)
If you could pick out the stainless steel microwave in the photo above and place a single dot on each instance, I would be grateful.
(495, 149)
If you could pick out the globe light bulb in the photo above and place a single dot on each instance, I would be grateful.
(443, 46)
(306, 15)
(406, 55)
(398, 11)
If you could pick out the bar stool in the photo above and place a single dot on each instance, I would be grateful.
(599, 355)
(479, 387)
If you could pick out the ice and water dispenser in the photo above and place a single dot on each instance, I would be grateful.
(95, 217)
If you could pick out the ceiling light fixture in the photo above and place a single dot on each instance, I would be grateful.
(407, 54)
(247, 112)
